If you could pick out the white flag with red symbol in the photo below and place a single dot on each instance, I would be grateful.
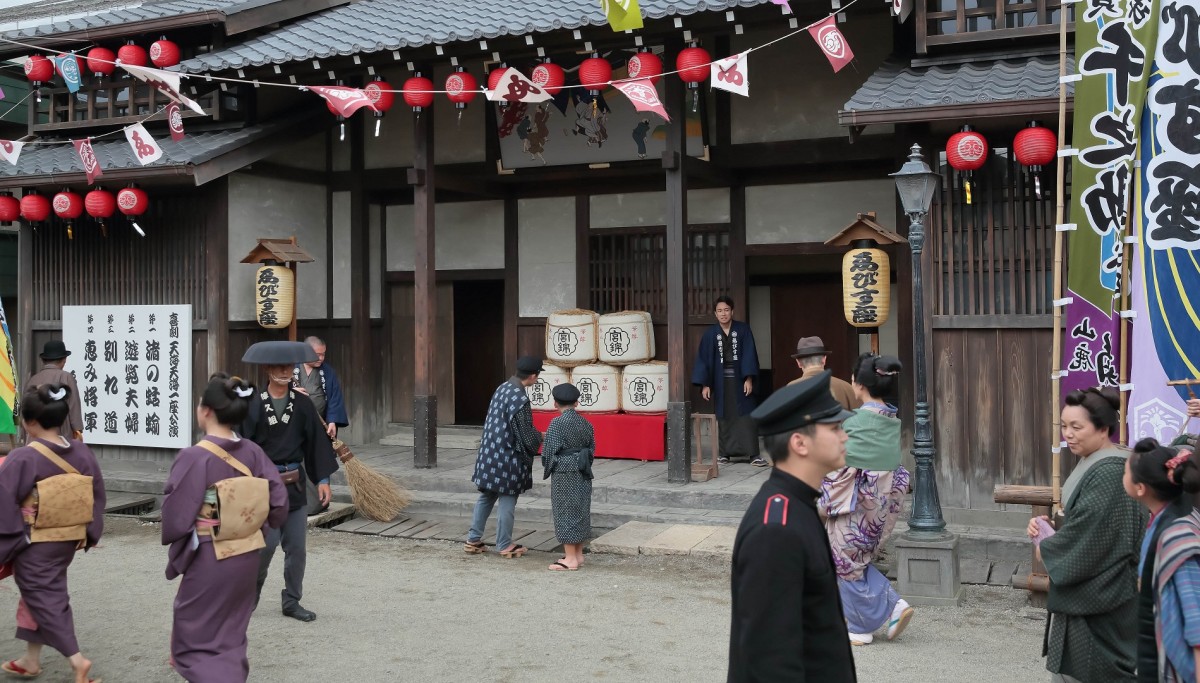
(87, 156)
(732, 74)
(514, 87)
(145, 149)
(832, 43)
(345, 101)
(175, 121)
(643, 95)
(166, 82)
(10, 150)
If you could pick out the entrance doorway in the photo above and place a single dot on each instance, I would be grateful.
(478, 347)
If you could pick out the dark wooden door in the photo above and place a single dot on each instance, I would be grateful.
(807, 308)
(403, 358)
(479, 347)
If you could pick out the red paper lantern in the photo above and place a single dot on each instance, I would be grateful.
(133, 201)
(133, 55)
(549, 77)
(495, 75)
(645, 65)
(417, 92)
(10, 208)
(100, 60)
(692, 64)
(966, 150)
(35, 208)
(78, 63)
(594, 74)
(38, 69)
(99, 204)
(1036, 145)
(380, 93)
(461, 88)
(164, 53)
(68, 205)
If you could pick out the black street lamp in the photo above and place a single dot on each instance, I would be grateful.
(916, 183)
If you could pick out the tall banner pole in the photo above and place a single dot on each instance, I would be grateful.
(1059, 210)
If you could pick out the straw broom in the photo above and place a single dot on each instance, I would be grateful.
(376, 495)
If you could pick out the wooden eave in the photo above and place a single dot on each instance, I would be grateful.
(282, 250)
(116, 31)
(944, 112)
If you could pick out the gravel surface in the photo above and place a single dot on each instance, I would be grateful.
(395, 610)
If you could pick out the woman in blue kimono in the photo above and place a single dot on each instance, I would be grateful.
(726, 368)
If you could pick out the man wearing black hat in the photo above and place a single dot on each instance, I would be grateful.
(787, 612)
(54, 358)
(504, 466)
(810, 356)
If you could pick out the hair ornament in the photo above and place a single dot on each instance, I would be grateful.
(244, 392)
(886, 373)
(1176, 462)
(58, 395)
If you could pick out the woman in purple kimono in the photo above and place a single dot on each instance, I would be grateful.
(40, 569)
(216, 597)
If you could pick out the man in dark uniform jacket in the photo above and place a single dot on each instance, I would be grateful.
(787, 613)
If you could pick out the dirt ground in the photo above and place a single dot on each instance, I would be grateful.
(395, 610)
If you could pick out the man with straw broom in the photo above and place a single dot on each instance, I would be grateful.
(320, 383)
(287, 427)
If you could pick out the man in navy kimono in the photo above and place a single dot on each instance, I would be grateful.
(726, 368)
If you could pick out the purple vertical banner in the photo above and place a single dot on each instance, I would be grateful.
(1154, 409)
(1090, 347)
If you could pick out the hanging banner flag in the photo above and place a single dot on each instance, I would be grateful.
(345, 101)
(622, 15)
(784, 3)
(1, 93)
(145, 149)
(68, 66)
(8, 380)
(1165, 278)
(643, 95)
(10, 150)
(732, 74)
(1114, 42)
(166, 82)
(87, 156)
(832, 43)
(175, 121)
(514, 87)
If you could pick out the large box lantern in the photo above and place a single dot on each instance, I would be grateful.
(866, 272)
(275, 282)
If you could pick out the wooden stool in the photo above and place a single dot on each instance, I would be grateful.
(701, 470)
(1040, 498)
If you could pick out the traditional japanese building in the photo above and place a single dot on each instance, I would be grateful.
(443, 239)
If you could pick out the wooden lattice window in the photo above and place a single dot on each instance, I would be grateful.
(121, 101)
(953, 21)
(994, 256)
(628, 269)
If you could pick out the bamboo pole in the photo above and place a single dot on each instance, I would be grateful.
(1124, 323)
(1059, 210)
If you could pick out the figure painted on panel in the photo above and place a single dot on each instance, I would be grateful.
(535, 142)
(640, 133)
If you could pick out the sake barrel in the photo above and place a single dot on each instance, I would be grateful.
(626, 337)
(571, 338)
(550, 377)
(644, 387)
(599, 388)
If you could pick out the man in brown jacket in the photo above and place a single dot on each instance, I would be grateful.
(810, 357)
(54, 358)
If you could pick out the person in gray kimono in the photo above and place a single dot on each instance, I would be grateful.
(567, 455)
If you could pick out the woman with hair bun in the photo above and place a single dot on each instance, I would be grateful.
(38, 550)
(218, 561)
(1168, 643)
(861, 502)
(1092, 557)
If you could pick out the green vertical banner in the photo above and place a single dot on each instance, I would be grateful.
(622, 15)
(8, 380)
(1114, 45)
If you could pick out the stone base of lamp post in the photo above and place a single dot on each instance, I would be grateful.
(927, 569)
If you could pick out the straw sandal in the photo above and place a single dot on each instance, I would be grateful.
(514, 553)
(474, 547)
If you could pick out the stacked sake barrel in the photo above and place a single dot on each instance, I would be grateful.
(608, 358)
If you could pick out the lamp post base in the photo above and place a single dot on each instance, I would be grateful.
(927, 568)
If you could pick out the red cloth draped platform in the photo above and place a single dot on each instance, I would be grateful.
(621, 435)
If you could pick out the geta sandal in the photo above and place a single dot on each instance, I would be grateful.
(474, 547)
(515, 552)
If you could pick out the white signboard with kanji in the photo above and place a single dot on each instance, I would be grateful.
(133, 365)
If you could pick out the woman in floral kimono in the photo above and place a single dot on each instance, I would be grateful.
(1092, 558)
(44, 616)
(861, 501)
(216, 596)
(1169, 570)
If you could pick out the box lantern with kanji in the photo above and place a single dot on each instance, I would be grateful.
(866, 271)
(275, 281)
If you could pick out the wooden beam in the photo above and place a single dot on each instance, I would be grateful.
(737, 250)
(424, 295)
(583, 252)
(699, 169)
(512, 284)
(953, 112)
(216, 267)
(25, 351)
(366, 410)
(679, 426)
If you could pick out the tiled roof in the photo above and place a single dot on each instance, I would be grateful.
(377, 25)
(896, 85)
(84, 15)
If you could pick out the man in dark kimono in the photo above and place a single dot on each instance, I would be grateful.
(726, 368)
(286, 425)
(504, 466)
(320, 383)
(787, 611)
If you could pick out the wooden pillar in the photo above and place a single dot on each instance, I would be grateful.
(583, 258)
(511, 284)
(421, 177)
(216, 265)
(366, 406)
(679, 431)
(738, 289)
(25, 351)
